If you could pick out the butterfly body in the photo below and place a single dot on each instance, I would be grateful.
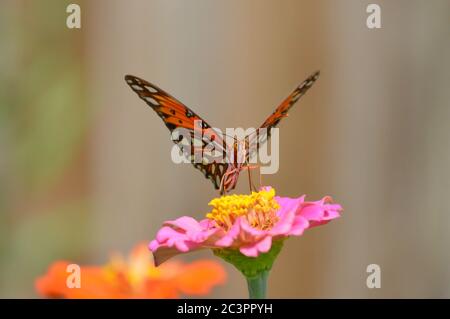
(175, 115)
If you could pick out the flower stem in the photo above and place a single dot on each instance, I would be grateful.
(257, 286)
(255, 269)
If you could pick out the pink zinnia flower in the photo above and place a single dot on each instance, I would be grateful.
(250, 224)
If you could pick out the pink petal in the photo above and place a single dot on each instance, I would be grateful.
(186, 223)
(288, 204)
(320, 210)
(230, 236)
(249, 251)
(265, 244)
(251, 231)
(164, 253)
(311, 211)
(283, 226)
(299, 225)
(253, 249)
(167, 233)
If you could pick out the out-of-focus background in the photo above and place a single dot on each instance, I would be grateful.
(85, 165)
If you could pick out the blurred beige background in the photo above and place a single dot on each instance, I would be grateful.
(85, 166)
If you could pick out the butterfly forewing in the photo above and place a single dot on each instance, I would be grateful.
(280, 112)
(176, 115)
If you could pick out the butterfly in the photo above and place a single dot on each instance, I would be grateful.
(176, 115)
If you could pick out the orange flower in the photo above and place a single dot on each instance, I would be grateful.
(135, 277)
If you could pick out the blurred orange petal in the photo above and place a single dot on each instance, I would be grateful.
(94, 283)
(199, 277)
(134, 277)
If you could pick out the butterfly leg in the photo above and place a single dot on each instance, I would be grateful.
(224, 182)
(250, 184)
(250, 181)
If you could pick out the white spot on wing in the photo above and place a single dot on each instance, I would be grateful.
(151, 89)
(137, 87)
(151, 100)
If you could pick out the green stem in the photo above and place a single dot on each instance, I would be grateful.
(257, 286)
(255, 269)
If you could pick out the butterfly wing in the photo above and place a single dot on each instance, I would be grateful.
(280, 112)
(177, 115)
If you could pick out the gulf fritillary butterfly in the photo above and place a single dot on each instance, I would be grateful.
(176, 115)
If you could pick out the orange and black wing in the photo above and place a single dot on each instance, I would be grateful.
(282, 110)
(177, 115)
(255, 140)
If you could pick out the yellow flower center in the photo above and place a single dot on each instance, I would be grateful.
(259, 209)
